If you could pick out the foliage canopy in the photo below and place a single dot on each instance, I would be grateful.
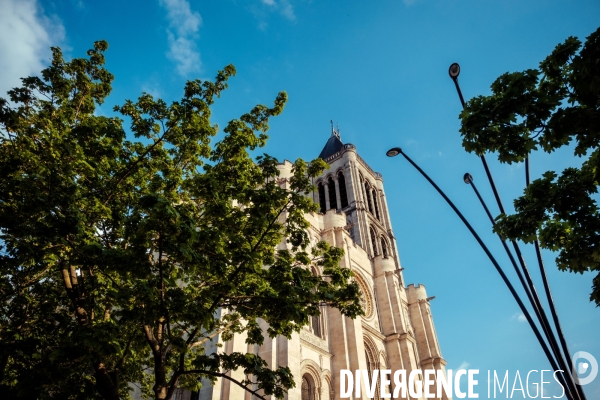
(555, 105)
(122, 258)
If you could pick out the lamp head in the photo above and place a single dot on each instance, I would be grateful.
(454, 71)
(393, 152)
(468, 178)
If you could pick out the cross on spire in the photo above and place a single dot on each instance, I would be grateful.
(335, 132)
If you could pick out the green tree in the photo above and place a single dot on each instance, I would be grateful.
(121, 258)
(553, 106)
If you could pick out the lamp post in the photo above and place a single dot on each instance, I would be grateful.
(565, 362)
(564, 378)
(560, 361)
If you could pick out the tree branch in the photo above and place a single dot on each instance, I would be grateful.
(135, 163)
(222, 375)
(209, 337)
(150, 338)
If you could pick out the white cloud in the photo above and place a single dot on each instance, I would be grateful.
(519, 317)
(463, 365)
(26, 35)
(183, 29)
(287, 10)
(152, 88)
(262, 25)
(181, 17)
(183, 51)
(284, 7)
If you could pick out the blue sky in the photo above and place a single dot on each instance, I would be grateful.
(379, 69)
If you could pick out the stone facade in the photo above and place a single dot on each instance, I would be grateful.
(397, 330)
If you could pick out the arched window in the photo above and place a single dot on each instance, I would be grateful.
(322, 197)
(362, 181)
(366, 299)
(373, 242)
(372, 364)
(368, 197)
(316, 325)
(374, 193)
(328, 393)
(332, 196)
(308, 389)
(343, 193)
(305, 389)
(315, 320)
(369, 365)
(384, 250)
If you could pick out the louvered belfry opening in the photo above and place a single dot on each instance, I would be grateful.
(342, 185)
(322, 197)
(332, 196)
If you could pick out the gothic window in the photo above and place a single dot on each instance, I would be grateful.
(328, 393)
(372, 364)
(369, 365)
(322, 197)
(375, 204)
(316, 325)
(368, 197)
(350, 226)
(308, 390)
(315, 320)
(366, 299)
(364, 304)
(343, 193)
(362, 181)
(373, 241)
(332, 197)
(384, 249)
(305, 389)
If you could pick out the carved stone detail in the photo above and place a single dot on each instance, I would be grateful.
(366, 298)
(314, 340)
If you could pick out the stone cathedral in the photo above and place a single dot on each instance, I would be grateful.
(397, 330)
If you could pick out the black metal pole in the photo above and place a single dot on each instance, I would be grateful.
(462, 100)
(561, 337)
(541, 317)
(454, 72)
(564, 382)
(468, 179)
(526, 171)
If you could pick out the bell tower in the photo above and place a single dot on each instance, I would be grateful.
(396, 331)
(398, 318)
(351, 186)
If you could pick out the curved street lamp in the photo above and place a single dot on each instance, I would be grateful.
(454, 72)
(565, 379)
(560, 361)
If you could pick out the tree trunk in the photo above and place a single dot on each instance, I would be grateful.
(3, 364)
(105, 384)
(161, 387)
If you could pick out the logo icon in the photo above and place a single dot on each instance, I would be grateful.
(582, 367)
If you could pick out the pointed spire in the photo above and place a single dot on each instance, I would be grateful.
(334, 144)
